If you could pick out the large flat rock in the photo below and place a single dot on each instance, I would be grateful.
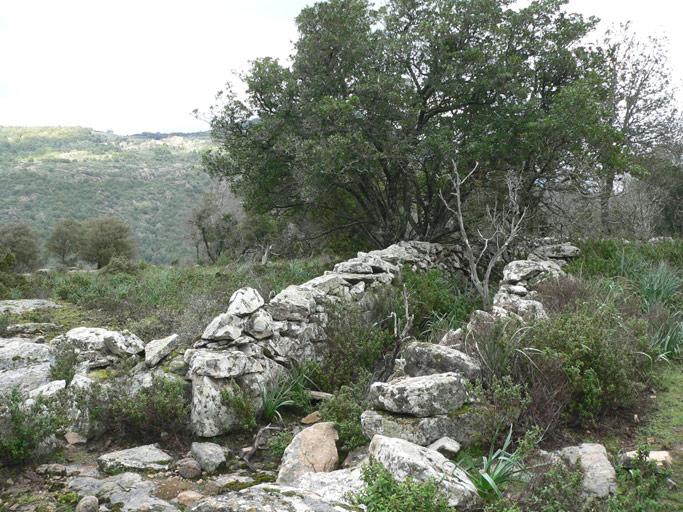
(428, 395)
(141, 458)
(429, 358)
(407, 460)
(17, 307)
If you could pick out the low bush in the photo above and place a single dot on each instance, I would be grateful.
(583, 363)
(344, 409)
(234, 397)
(278, 443)
(24, 427)
(161, 407)
(383, 493)
(639, 486)
(64, 365)
(354, 345)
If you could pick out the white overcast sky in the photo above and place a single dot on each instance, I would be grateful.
(144, 65)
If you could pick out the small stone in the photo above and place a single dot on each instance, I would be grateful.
(661, 458)
(51, 469)
(319, 396)
(446, 446)
(210, 456)
(312, 418)
(189, 498)
(88, 504)
(188, 468)
(73, 438)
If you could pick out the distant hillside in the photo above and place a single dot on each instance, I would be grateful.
(151, 180)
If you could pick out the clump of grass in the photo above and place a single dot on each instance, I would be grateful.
(290, 391)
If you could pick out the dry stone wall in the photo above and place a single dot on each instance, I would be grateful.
(252, 344)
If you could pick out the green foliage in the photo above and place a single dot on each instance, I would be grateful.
(344, 409)
(23, 428)
(499, 468)
(383, 493)
(503, 404)
(350, 145)
(234, 397)
(278, 443)
(290, 391)
(161, 407)
(353, 347)
(78, 173)
(11, 284)
(21, 241)
(439, 302)
(64, 365)
(105, 238)
(66, 240)
(639, 487)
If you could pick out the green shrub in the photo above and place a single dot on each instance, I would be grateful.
(559, 489)
(238, 400)
(290, 391)
(383, 493)
(23, 428)
(64, 365)
(344, 409)
(504, 403)
(161, 407)
(352, 348)
(439, 302)
(278, 443)
(639, 486)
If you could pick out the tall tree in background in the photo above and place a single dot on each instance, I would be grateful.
(105, 238)
(641, 103)
(66, 240)
(21, 241)
(361, 131)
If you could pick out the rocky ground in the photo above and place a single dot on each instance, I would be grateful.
(418, 420)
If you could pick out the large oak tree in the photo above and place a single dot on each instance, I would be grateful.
(362, 130)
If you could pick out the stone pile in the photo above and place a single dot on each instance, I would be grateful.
(252, 344)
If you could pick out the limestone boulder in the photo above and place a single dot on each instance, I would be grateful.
(407, 460)
(210, 456)
(295, 303)
(225, 327)
(313, 450)
(156, 350)
(530, 271)
(269, 498)
(17, 307)
(429, 358)
(599, 476)
(244, 301)
(462, 427)
(141, 458)
(428, 395)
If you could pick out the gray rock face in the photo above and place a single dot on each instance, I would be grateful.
(564, 251)
(446, 446)
(260, 325)
(224, 327)
(128, 491)
(88, 504)
(188, 468)
(18, 353)
(156, 350)
(461, 427)
(429, 358)
(141, 458)
(269, 498)
(528, 309)
(26, 378)
(599, 477)
(404, 459)
(17, 307)
(221, 364)
(210, 456)
(335, 486)
(123, 343)
(210, 416)
(530, 271)
(244, 302)
(313, 450)
(428, 395)
(295, 303)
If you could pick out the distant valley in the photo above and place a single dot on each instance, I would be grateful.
(151, 180)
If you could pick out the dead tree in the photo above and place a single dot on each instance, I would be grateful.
(504, 224)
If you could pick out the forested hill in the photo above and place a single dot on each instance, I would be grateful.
(151, 180)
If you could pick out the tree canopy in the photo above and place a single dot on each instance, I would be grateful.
(362, 130)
